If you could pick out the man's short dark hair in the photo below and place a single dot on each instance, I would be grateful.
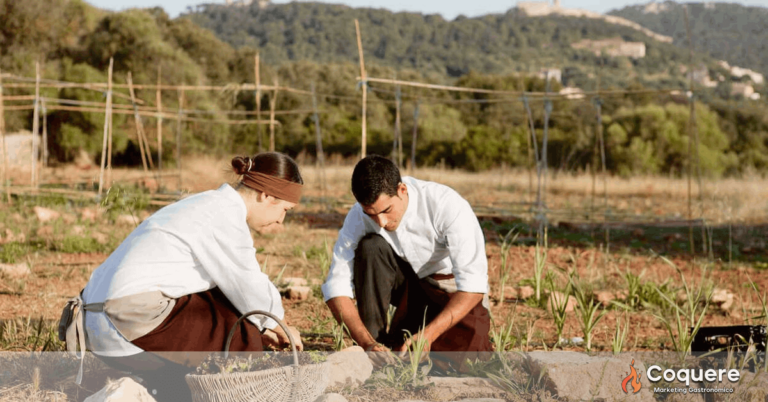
(373, 176)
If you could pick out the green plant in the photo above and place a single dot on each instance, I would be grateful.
(338, 335)
(501, 336)
(11, 252)
(620, 335)
(506, 244)
(558, 304)
(687, 320)
(540, 263)
(587, 309)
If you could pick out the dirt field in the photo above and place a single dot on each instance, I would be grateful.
(638, 267)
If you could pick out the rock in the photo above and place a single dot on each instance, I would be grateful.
(722, 299)
(68, 218)
(15, 270)
(150, 184)
(293, 282)
(579, 376)
(11, 237)
(349, 368)
(751, 387)
(298, 292)
(100, 238)
(78, 230)
(604, 297)
(17, 217)
(448, 388)
(44, 231)
(331, 398)
(45, 214)
(525, 292)
(89, 214)
(122, 390)
(127, 220)
(556, 298)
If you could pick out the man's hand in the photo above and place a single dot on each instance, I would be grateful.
(277, 338)
(380, 355)
(411, 342)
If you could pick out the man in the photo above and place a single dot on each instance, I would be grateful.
(418, 246)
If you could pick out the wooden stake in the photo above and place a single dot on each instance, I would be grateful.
(365, 88)
(319, 145)
(106, 130)
(45, 138)
(35, 125)
(178, 134)
(397, 147)
(139, 125)
(2, 142)
(258, 100)
(272, 103)
(159, 103)
(109, 125)
(413, 141)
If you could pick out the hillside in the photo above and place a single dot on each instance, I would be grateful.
(730, 32)
(439, 49)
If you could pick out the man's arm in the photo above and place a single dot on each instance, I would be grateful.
(345, 312)
(459, 305)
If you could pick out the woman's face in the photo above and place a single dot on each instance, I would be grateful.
(265, 210)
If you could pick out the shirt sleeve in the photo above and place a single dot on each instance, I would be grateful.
(461, 231)
(229, 258)
(339, 280)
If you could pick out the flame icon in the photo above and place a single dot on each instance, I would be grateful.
(634, 377)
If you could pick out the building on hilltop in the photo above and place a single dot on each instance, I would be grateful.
(614, 47)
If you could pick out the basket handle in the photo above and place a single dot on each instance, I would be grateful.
(270, 315)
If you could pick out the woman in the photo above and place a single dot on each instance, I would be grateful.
(183, 277)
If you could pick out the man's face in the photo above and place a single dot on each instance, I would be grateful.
(388, 211)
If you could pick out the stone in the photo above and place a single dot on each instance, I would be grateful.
(11, 237)
(100, 238)
(604, 297)
(751, 387)
(331, 398)
(20, 270)
(298, 293)
(149, 184)
(68, 218)
(722, 299)
(127, 220)
(580, 376)
(122, 390)
(349, 368)
(293, 282)
(45, 214)
(44, 231)
(556, 298)
(78, 230)
(525, 292)
(448, 388)
(89, 214)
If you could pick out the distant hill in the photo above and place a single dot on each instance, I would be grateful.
(731, 32)
(438, 49)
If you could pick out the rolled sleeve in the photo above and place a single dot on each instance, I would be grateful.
(340, 276)
(466, 245)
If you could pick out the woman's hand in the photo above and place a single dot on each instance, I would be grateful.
(277, 338)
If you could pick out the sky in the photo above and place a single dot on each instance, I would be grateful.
(449, 9)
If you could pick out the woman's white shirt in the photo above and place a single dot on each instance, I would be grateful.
(191, 246)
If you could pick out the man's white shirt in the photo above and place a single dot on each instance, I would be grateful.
(439, 233)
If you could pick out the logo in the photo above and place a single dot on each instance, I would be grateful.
(632, 379)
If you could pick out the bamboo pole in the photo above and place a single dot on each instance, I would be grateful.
(397, 147)
(139, 124)
(365, 89)
(272, 104)
(178, 134)
(108, 119)
(159, 104)
(319, 144)
(256, 72)
(35, 126)
(413, 141)
(106, 131)
(2, 142)
(45, 138)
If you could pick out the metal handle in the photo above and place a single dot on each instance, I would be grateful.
(270, 315)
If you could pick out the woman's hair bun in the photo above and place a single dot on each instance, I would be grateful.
(241, 164)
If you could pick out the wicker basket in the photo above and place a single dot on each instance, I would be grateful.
(284, 384)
